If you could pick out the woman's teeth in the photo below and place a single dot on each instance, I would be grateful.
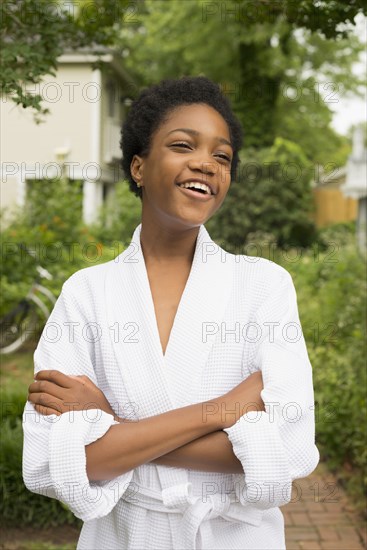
(196, 185)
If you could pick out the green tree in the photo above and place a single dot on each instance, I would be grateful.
(271, 193)
(281, 64)
(34, 33)
(262, 54)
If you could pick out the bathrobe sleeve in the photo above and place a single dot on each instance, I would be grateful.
(54, 459)
(277, 445)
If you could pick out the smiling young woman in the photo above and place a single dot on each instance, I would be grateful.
(191, 148)
(170, 426)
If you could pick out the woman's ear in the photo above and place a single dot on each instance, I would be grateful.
(137, 169)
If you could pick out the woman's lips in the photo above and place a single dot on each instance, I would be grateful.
(203, 197)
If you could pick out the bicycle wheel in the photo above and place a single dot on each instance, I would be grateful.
(17, 326)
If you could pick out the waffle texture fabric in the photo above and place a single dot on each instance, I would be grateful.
(237, 314)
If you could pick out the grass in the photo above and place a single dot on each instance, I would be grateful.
(28, 538)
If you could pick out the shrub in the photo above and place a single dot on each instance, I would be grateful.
(331, 293)
(119, 217)
(56, 205)
(272, 194)
(51, 227)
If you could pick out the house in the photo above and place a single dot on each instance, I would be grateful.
(80, 136)
(340, 195)
(331, 205)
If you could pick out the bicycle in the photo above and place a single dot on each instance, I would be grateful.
(17, 326)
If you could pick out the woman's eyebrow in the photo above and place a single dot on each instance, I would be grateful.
(196, 133)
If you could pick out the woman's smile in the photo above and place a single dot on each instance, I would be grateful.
(195, 194)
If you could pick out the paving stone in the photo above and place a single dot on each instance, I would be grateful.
(294, 506)
(310, 545)
(314, 506)
(341, 545)
(329, 519)
(288, 518)
(302, 533)
(328, 533)
(349, 533)
(334, 507)
(300, 518)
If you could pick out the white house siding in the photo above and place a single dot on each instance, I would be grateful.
(77, 121)
(68, 123)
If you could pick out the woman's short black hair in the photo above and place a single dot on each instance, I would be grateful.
(151, 108)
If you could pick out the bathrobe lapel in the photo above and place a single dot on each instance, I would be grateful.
(134, 333)
(198, 319)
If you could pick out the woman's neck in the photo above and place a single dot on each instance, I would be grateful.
(163, 244)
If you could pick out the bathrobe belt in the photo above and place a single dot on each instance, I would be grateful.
(179, 499)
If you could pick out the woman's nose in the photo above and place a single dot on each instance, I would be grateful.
(204, 162)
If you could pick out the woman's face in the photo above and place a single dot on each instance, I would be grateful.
(193, 144)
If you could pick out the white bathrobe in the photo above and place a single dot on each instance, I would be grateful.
(237, 314)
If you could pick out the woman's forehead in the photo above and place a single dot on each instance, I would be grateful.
(200, 118)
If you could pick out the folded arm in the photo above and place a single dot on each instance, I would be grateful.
(188, 443)
(211, 453)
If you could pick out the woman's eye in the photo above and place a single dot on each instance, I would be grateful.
(188, 146)
(180, 144)
(224, 157)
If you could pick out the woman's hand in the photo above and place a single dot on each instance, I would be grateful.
(56, 393)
